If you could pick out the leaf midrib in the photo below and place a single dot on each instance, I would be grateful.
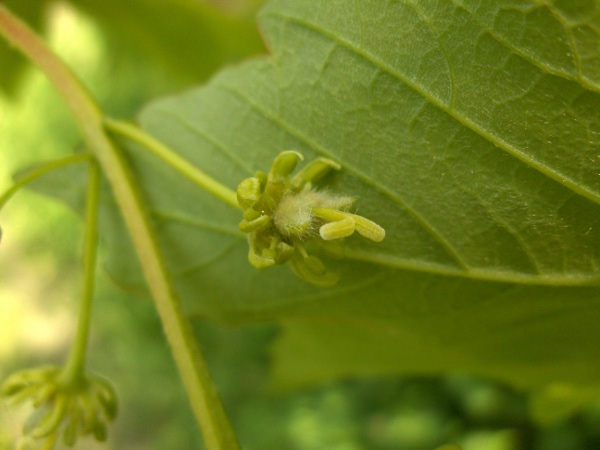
(504, 276)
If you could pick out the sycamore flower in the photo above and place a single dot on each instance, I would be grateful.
(282, 212)
(69, 408)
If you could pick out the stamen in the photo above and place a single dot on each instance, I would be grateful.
(337, 230)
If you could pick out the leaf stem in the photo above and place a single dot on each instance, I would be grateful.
(188, 170)
(73, 370)
(39, 171)
(207, 406)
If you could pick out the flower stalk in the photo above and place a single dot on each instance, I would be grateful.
(74, 369)
(69, 401)
(205, 401)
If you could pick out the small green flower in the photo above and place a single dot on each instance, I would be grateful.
(282, 212)
(76, 408)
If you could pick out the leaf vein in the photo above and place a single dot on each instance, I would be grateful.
(452, 252)
(499, 220)
(529, 57)
(210, 139)
(394, 262)
(506, 146)
(198, 266)
(185, 220)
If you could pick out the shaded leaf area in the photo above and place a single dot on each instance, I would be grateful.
(476, 150)
(525, 336)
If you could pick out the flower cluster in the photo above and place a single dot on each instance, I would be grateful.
(281, 212)
(75, 408)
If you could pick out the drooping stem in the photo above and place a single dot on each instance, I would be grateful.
(206, 403)
(39, 171)
(73, 370)
(188, 170)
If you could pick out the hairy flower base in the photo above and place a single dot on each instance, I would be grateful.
(282, 213)
(75, 409)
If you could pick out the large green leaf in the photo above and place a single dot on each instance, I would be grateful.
(469, 130)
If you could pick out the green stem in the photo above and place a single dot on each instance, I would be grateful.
(73, 370)
(207, 406)
(39, 171)
(188, 170)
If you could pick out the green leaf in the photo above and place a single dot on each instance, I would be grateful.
(470, 131)
(527, 336)
(476, 161)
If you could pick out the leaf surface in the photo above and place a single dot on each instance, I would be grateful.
(469, 130)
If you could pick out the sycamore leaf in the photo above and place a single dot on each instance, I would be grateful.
(470, 131)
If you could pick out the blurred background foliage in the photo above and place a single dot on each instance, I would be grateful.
(128, 53)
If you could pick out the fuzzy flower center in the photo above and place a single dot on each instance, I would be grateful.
(282, 212)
